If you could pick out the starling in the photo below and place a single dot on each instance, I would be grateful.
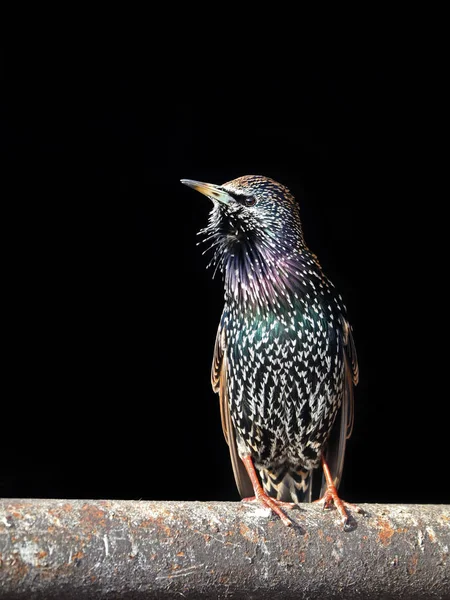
(284, 360)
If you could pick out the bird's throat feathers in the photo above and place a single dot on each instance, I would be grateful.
(262, 268)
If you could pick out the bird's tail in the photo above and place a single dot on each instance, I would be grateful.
(286, 484)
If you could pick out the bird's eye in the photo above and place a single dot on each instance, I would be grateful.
(250, 201)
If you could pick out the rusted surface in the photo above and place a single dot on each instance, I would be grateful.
(79, 549)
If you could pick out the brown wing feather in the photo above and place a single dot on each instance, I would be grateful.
(343, 426)
(219, 384)
(352, 373)
(351, 351)
(217, 359)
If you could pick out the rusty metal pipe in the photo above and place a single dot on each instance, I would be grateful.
(79, 549)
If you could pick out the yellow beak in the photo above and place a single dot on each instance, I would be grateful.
(213, 192)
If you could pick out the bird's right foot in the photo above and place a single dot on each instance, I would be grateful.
(273, 504)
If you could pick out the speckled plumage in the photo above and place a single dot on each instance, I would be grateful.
(284, 360)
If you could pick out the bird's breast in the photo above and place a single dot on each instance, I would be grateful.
(285, 376)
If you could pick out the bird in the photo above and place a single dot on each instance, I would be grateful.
(284, 362)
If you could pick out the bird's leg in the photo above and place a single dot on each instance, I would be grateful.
(260, 493)
(331, 496)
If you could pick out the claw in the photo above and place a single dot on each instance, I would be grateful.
(262, 497)
(331, 497)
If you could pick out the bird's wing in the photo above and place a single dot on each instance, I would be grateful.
(343, 426)
(219, 349)
(219, 384)
(351, 374)
(349, 345)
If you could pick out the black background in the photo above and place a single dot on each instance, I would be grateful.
(111, 314)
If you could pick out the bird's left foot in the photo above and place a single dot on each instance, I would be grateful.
(331, 497)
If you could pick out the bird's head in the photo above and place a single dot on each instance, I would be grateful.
(255, 233)
(252, 210)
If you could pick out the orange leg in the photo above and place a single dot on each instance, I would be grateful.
(261, 495)
(331, 496)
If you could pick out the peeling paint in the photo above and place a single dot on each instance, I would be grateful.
(28, 552)
(412, 564)
(431, 534)
(420, 540)
(248, 533)
(386, 531)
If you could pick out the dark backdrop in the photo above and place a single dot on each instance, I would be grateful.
(111, 314)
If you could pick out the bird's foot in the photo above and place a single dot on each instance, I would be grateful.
(273, 504)
(260, 494)
(331, 497)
